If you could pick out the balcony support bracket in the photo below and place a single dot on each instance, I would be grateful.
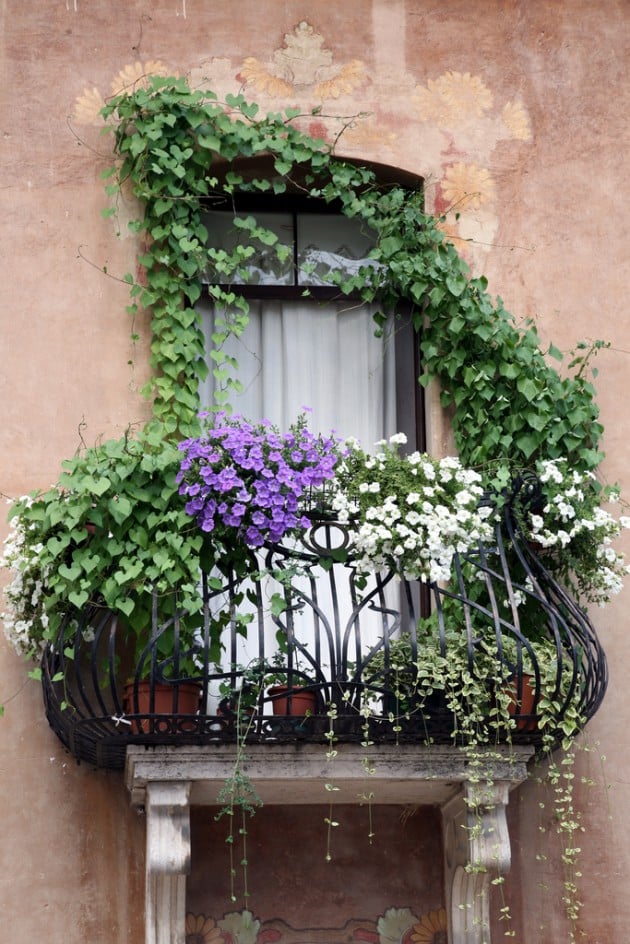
(167, 807)
(476, 853)
(168, 780)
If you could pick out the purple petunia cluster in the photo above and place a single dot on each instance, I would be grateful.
(251, 478)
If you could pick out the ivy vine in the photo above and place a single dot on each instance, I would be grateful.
(180, 147)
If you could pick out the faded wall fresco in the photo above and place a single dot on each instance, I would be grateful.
(384, 889)
(396, 925)
(452, 123)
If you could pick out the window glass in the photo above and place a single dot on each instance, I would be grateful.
(263, 267)
(318, 243)
(326, 242)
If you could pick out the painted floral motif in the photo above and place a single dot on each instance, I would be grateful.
(516, 120)
(202, 930)
(451, 232)
(240, 927)
(303, 63)
(455, 126)
(467, 187)
(394, 924)
(458, 113)
(88, 105)
(351, 76)
(453, 98)
(431, 929)
(253, 72)
(135, 75)
(369, 134)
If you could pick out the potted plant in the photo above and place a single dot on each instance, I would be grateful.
(289, 687)
(116, 535)
(393, 668)
(561, 512)
(248, 482)
(111, 537)
(519, 685)
(409, 513)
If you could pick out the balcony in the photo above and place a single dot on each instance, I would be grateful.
(348, 651)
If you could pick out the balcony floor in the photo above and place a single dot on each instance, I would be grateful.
(298, 773)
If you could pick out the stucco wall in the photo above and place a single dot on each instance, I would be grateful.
(384, 867)
(522, 104)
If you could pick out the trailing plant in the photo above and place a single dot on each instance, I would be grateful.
(112, 530)
(474, 674)
(237, 798)
(179, 147)
(115, 526)
(176, 146)
(563, 516)
(481, 685)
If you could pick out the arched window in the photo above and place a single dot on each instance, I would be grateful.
(308, 345)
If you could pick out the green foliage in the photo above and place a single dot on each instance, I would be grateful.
(478, 688)
(179, 148)
(112, 529)
(477, 681)
(508, 404)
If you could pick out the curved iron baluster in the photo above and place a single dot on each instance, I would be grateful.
(334, 625)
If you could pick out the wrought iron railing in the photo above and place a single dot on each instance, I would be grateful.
(351, 652)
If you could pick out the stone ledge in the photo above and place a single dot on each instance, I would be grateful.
(298, 773)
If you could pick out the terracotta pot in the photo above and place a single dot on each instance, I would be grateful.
(298, 703)
(527, 703)
(189, 694)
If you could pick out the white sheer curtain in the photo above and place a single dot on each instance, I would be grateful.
(323, 356)
(320, 355)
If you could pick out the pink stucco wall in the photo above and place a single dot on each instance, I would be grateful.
(523, 103)
(292, 887)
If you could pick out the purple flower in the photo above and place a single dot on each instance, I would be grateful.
(253, 537)
(245, 481)
(227, 479)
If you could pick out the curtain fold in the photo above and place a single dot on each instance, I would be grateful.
(322, 356)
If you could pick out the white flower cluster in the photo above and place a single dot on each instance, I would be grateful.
(25, 618)
(410, 513)
(571, 520)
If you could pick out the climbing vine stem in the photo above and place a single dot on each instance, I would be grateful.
(182, 149)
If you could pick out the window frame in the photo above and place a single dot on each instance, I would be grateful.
(291, 204)
(294, 202)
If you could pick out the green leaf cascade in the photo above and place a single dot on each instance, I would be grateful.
(117, 504)
(507, 403)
